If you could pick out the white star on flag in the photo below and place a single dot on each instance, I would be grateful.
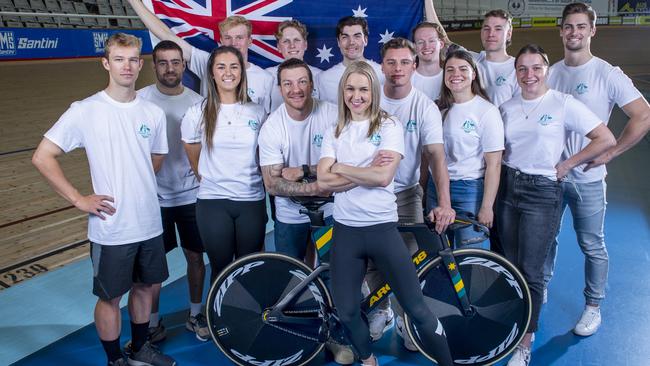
(386, 37)
(324, 54)
(359, 13)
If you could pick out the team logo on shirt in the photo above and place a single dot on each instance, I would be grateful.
(545, 120)
(317, 140)
(144, 131)
(251, 93)
(582, 88)
(253, 124)
(500, 81)
(469, 126)
(375, 139)
(411, 126)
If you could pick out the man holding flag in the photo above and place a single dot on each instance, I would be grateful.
(234, 31)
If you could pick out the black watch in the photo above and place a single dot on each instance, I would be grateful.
(305, 171)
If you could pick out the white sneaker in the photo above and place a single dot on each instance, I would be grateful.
(520, 357)
(589, 321)
(401, 331)
(343, 355)
(379, 321)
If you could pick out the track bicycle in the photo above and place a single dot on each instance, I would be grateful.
(271, 309)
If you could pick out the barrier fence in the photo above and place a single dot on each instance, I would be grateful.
(39, 43)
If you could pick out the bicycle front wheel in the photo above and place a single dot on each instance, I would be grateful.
(500, 302)
(249, 286)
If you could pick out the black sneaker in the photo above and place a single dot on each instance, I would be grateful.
(155, 335)
(199, 325)
(118, 362)
(149, 355)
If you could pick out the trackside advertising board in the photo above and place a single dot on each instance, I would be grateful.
(34, 43)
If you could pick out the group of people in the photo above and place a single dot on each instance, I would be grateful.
(508, 139)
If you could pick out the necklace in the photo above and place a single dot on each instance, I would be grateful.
(232, 117)
(532, 110)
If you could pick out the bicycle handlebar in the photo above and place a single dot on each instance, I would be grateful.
(463, 219)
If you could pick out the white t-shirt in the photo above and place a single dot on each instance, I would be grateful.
(327, 82)
(231, 170)
(364, 206)
(471, 129)
(260, 82)
(284, 140)
(422, 125)
(599, 86)
(177, 184)
(499, 78)
(429, 85)
(535, 145)
(276, 96)
(119, 139)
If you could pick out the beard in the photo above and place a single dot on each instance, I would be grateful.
(170, 83)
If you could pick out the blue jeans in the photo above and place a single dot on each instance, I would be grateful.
(292, 239)
(587, 204)
(528, 216)
(466, 196)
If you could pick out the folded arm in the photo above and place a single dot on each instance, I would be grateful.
(370, 176)
(277, 185)
(329, 181)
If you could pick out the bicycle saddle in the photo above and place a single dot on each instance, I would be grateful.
(311, 202)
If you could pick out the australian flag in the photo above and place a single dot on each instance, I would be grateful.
(196, 22)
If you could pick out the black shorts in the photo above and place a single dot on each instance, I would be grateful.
(117, 267)
(182, 218)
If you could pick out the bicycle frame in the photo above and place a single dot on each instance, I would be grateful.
(430, 246)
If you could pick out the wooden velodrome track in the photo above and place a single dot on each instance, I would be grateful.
(40, 231)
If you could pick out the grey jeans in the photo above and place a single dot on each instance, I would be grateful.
(528, 216)
(587, 203)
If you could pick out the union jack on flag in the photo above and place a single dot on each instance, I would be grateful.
(196, 21)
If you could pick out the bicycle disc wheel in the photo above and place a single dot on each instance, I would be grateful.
(499, 296)
(252, 284)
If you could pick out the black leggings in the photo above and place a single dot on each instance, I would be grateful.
(352, 248)
(230, 229)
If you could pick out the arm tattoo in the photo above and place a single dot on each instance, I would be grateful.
(278, 186)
